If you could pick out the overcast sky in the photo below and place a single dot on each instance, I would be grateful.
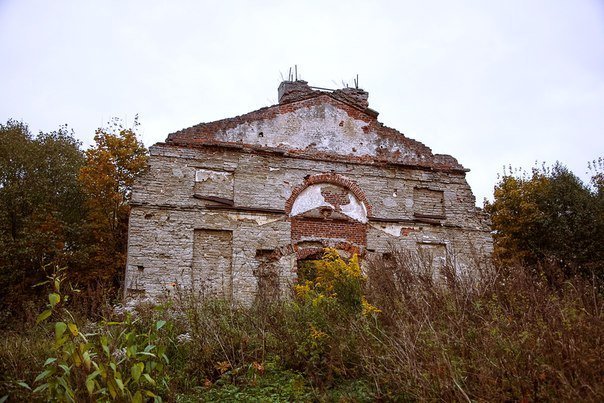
(492, 83)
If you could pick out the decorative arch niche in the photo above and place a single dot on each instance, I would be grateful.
(328, 210)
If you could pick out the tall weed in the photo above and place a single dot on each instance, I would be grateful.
(404, 330)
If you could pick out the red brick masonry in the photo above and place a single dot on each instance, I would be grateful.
(328, 178)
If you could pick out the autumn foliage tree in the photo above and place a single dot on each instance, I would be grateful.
(62, 207)
(107, 178)
(549, 220)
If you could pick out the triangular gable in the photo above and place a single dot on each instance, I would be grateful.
(319, 125)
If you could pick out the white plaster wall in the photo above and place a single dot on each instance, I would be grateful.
(321, 127)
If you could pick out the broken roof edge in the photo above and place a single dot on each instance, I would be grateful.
(353, 97)
(273, 110)
(302, 96)
(442, 166)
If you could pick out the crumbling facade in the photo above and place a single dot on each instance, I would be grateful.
(229, 208)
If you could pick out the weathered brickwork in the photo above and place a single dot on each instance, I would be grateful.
(212, 266)
(228, 208)
(428, 202)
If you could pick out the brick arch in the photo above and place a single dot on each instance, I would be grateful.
(303, 253)
(306, 252)
(328, 178)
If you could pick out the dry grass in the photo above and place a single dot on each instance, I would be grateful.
(493, 335)
(502, 337)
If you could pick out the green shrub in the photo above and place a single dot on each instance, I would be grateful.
(118, 361)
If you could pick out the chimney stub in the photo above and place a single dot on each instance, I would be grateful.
(292, 90)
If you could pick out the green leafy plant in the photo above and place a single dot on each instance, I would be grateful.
(121, 360)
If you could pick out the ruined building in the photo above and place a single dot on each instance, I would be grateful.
(230, 207)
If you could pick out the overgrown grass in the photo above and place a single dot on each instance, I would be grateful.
(493, 335)
(486, 335)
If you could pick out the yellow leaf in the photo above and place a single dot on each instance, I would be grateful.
(73, 329)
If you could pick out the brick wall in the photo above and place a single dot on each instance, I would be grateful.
(428, 202)
(214, 211)
(346, 231)
(166, 215)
